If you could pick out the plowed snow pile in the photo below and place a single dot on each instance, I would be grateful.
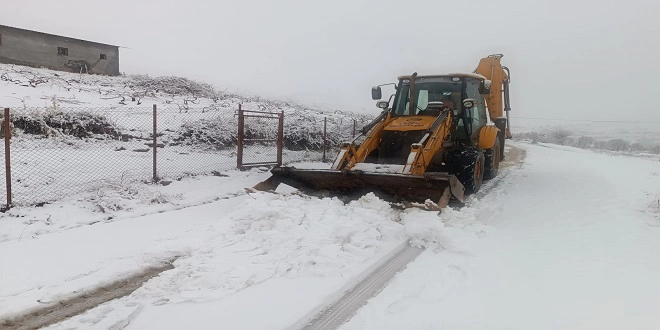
(228, 250)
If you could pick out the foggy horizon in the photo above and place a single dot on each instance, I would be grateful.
(568, 60)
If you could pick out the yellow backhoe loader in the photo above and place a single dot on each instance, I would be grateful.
(433, 142)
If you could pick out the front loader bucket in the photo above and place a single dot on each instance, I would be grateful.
(436, 186)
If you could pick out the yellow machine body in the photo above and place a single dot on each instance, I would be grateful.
(421, 148)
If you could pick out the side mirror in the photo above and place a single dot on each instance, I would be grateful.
(469, 103)
(484, 87)
(376, 93)
(382, 104)
(435, 105)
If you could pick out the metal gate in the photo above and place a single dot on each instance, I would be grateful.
(260, 138)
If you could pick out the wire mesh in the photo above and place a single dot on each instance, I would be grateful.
(61, 151)
(56, 152)
(304, 134)
(195, 141)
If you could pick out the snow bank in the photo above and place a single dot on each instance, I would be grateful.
(451, 230)
(114, 200)
(309, 245)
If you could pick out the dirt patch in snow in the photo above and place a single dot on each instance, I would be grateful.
(58, 311)
(513, 155)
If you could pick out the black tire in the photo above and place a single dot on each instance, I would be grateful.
(493, 156)
(468, 166)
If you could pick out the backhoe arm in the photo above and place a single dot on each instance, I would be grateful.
(498, 98)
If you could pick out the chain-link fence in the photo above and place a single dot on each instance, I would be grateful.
(260, 136)
(57, 152)
(307, 135)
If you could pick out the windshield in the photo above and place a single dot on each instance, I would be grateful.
(428, 90)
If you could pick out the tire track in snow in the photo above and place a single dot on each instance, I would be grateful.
(61, 310)
(342, 311)
(350, 303)
(514, 156)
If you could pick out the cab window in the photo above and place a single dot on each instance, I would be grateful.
(478, 113)
(427, 90)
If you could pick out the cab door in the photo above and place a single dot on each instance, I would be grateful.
(476, 117)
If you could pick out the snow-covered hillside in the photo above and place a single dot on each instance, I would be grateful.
(46, 92)
(32, 87)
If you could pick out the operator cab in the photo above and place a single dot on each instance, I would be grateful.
(434, 96)
(451, 90)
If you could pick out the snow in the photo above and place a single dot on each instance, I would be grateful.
(311, 165)
(129, 100)
(230, 251)
(565, 242)
(43, 171)
(196, 127)
(378, 168)
(560, 242)
(109, 201)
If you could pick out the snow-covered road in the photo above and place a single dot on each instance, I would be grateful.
(237, 257)
(572, 243)
(567, 240)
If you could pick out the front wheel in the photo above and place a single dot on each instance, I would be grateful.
(492, 157)
(468, 166)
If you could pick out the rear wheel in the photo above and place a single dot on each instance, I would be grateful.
(492, 158)
(468, 166)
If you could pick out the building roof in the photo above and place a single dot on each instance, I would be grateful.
(57, 35)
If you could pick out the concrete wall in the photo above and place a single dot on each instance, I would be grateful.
(18, 46)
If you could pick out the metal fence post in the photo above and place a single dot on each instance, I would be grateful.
(354, 123)
(239, 142)
(280, 138)
(325, 136)
(7, 128)
(155, 144)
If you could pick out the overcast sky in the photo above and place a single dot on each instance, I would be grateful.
(569, 59)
